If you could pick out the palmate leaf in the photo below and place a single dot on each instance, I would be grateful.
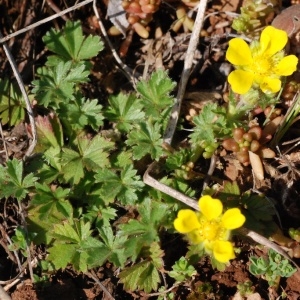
(142, 276)
(146, 140)
(52, 204)
(210, 124)
(12, 183)
(71, 44)
(56, 84)
(124, 110)
(144, 231)
(114, 245)
(124, 187)
(91, 155)
(156, 92)
(73, 244)
(81, 112)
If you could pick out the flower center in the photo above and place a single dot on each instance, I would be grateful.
(211, 230)
(262, 65)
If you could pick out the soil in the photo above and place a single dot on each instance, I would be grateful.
(207, 77)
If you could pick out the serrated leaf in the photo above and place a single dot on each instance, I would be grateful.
(81, 112)
(145, 229)
(52, 203)
(12, 106)
(142, 276)
(156, 254)
(124, 110)
(146, 140)
(91, 155)
(56, 84)
(12, 183)
(156, 92)
(73, 244)
(210, 124)
(49, 131)
(71, 44)
(116, 252)
(124, 187)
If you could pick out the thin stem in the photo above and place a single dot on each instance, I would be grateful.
(103, 288)
(63, 12)
(188, 62)
(25, 97)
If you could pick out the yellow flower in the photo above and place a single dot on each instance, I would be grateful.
(210, 227)
(262, 63)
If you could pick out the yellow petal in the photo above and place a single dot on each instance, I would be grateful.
(211, 208)
(241, 81)
(272, 40)
(186, 221)
(238, 52)
(287, 66)
(270, 85)
(223, 251)
(233, 218)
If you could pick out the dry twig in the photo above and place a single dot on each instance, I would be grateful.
(188, 62)
(25, 96)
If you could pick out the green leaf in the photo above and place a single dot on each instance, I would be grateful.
(71, 44)
(52, 203)
(156, 92)
(12, 107)
(182, 270)
(91, 155)
(146, 140)
(56, 84)
(73, 244)
(144, 231)
(142, 276)
(81, 112)
(210, 124)
(259, 212)
(12, 183)
(124, 110)
(124, 187)
(114, 248)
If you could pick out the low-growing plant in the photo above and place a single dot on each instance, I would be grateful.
(271, 268)
(88, 204)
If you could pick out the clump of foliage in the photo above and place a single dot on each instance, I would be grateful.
(87, 202)
(271, 268)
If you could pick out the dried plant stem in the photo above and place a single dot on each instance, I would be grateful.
(148, 179)
(125, 68)
(103, 288)
(63, 12)
(25, 96)
(55, 8)
(4, 142)
(3, 294)
(188, 62)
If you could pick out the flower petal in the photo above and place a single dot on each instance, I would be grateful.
(270, 85)
(233, 218)
(272, 40)
(223, 251)
(238, 52)
(287, 66)
(241, 81)
(186, 221)
(211, 208)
